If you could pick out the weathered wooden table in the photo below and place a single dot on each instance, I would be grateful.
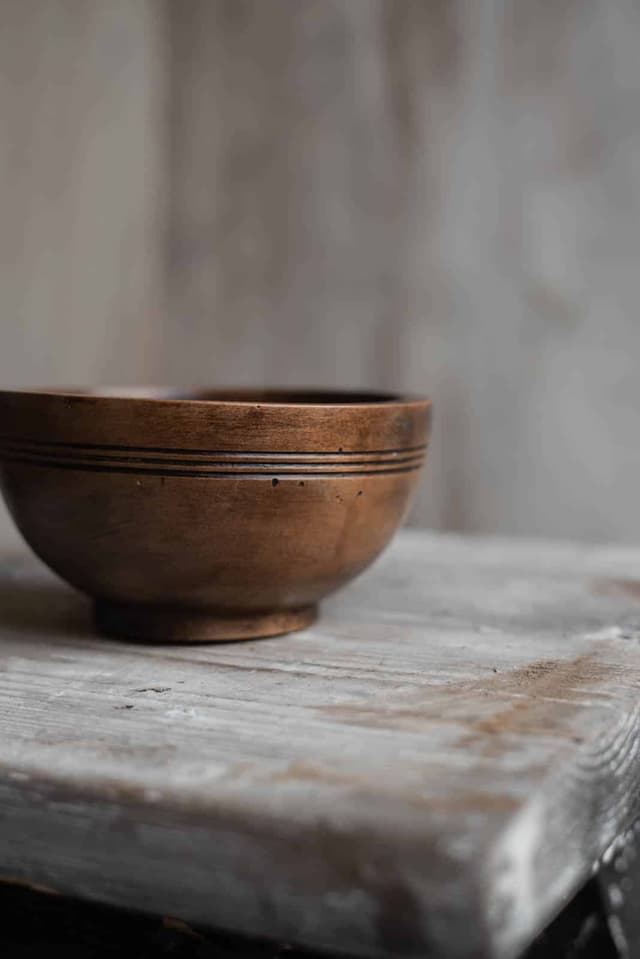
(433, 769)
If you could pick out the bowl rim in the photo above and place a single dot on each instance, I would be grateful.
(163, 396)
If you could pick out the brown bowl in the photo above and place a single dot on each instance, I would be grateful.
(208, 515)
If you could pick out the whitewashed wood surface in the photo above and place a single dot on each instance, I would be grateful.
(431, 770)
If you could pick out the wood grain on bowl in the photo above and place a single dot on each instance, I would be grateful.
(208, 515)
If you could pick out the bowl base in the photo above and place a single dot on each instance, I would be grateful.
(161, 624)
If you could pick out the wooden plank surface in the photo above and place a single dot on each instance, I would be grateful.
(435, 196)
(82, 132)
(427, 196)
(81, 191)
(431, 770)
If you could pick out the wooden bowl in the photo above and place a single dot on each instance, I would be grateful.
(208, 515)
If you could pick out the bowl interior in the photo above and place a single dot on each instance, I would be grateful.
(275, 396)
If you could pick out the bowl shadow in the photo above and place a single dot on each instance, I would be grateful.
(53, 611)
(49, 609)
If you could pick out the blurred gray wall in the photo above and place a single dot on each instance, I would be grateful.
(437, 196)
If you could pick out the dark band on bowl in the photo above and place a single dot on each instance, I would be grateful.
(209, 463)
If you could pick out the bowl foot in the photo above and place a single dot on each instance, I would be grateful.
(161, 624)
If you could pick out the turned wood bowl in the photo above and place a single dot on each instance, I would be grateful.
(208, 515)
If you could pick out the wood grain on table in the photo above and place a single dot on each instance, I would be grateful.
(432, 769)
